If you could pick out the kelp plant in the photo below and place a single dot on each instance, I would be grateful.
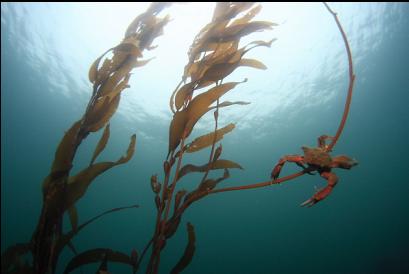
(61, 190)
(214, 55)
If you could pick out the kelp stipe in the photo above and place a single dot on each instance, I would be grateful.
(61, 190)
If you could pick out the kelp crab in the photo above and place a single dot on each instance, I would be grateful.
(317, 159)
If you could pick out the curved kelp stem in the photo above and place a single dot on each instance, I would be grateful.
(351, 81)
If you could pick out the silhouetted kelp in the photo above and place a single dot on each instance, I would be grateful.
(213, 55)
(61, 190)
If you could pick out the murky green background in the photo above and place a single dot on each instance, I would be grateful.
(46, 50)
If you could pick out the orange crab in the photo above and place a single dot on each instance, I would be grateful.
(317, 159)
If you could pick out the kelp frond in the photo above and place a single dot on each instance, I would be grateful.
(61, 190)
(214, 54)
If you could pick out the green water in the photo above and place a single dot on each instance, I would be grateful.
(362, 227)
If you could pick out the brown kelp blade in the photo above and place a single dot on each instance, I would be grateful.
(176, 129)
(95, 255)
(238, 31)
(228, 103)
(130, 151)
(98, 119)
(155, 184)
(182, 94)
(216, 72)
(189, 251)
(253, 63)
(200, 104)
(142, 63)
(218, 164)
(78, 184)
(101, 144)
(208, 139)
(65, 151)
(93, 71)
(248, 16)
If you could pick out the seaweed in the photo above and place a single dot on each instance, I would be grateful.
(61, 189)
(214, 54)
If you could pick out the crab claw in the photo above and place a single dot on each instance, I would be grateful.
(343, 161)
(309, 203)
(318, 196)
(321, 194)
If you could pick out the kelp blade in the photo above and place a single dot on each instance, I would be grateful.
(189, 251)
(207, 139)
(218, 164)
(95, 255)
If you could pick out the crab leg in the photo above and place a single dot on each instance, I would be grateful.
(298, 159)
(321, 194)
(322, 141)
